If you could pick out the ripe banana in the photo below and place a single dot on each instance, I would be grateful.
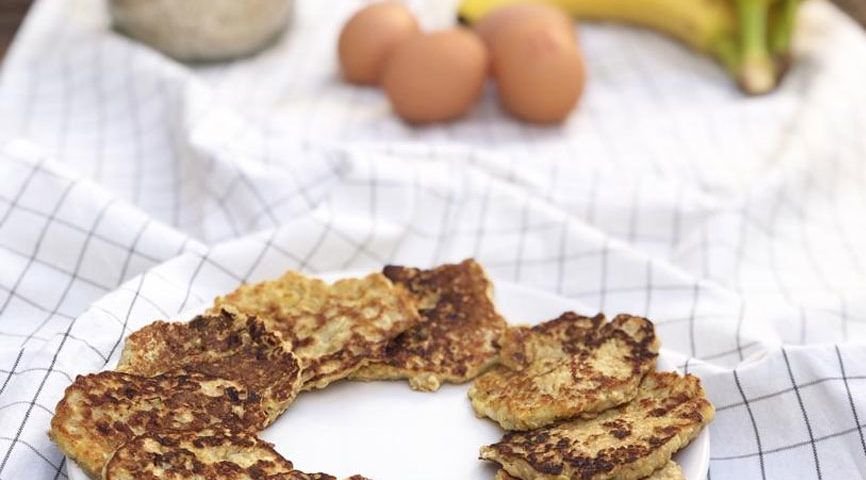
(735, 32)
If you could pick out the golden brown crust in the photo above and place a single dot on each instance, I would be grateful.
(671, 471)
(224, 344)
(461, 334)
(100, 412)
(628, 442)
(503, 475)
(192, 455)
(572, 366)
(333, 329)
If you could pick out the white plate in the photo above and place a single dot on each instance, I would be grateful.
(386, 431)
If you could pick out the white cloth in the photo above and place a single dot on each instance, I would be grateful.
(134, 187)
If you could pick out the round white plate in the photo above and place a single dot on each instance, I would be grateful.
(386, 431)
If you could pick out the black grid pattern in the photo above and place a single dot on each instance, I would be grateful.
(143, 188)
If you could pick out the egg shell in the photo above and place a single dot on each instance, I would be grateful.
(437, 76)
(539, 70)
(369, 37)
(505, 18)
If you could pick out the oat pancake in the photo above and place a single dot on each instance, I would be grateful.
(224, 344)
(100, 412)
(332, 329)
(572, 366)
(670, 471)
(461, 334)
(201, 455)
(626, 443)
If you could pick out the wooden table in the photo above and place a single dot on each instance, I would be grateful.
(13, 11)
(855, 8)
(11, 14)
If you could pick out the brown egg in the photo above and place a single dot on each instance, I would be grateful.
(539, 70)
(505, 18)
(437, 76)
(370, 36)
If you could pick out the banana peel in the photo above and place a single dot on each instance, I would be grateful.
(751, 39)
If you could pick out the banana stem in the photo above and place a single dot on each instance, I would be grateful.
(757, 72)
(727, 51)
(784, 16)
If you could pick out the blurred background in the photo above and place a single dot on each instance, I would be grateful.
(12, 13)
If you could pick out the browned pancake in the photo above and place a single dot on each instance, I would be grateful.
(629, 442)
(333, 329)
(671, 471)
(100, 412)
(572, 366)
(461, 334)
(224, 344)
(202, 456)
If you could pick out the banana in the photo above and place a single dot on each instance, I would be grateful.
(699, 23)
(734, 32)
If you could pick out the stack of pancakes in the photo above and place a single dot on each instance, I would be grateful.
(187, 399)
